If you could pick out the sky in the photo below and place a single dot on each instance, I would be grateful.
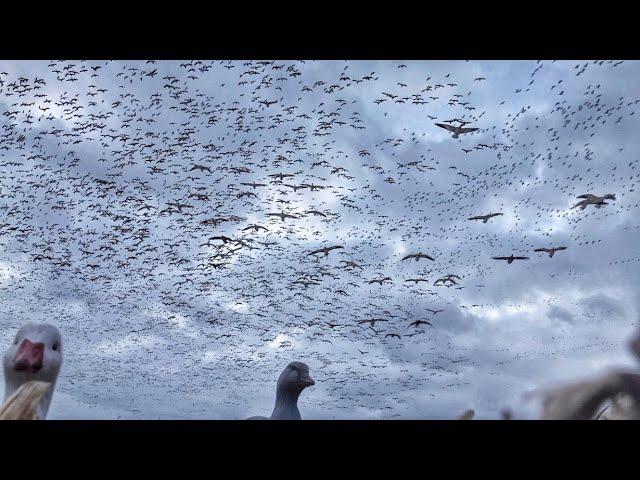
(128, 189)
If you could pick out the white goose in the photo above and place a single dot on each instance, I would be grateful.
(35, 354)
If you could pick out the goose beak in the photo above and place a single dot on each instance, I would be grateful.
(308, 381)
(29, 357)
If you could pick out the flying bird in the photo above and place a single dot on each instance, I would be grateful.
(510, 258)
(456, 130)
(485, 218)
(417, 256)
(550, 251)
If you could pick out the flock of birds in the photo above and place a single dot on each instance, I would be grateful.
(197, 220)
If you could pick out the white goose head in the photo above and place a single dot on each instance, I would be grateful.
(35, 354)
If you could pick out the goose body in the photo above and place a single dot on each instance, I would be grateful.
(34, 355)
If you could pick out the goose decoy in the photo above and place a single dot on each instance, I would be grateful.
(622, 407)
(34, 355)
(467, 415)
(292, 381)
(581, 400)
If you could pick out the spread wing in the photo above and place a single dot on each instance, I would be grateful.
(587, 195)
(521, 258)
(408, 256)
(501, 258)
(451, 128)
(541, 250)
(467, 130)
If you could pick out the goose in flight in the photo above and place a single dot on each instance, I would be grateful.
(306, 283)
(434, 311)
(315, 212)
(443, 281)
(325, 250)
(380, 281)
(350, 264)
(253, 184)
(35, 354)
(590, 199)
(550, 251)
(392, 335)
(255, 228)
(281, 176)
(510, 258)
(416, 280)
(590, 196)
(281, 215)
(485, 218)
(417, 256)
(292, 381)
(202, 168)
(373, 321)
(456, 130)
(417, 323)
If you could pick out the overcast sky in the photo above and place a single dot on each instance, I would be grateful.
(114, 176)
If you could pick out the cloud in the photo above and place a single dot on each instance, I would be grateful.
(152, 330)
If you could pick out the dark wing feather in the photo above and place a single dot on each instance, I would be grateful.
(451, 128)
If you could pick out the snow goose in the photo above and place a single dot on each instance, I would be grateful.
(34, 355)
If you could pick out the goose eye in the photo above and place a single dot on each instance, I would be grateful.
(55, 346)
